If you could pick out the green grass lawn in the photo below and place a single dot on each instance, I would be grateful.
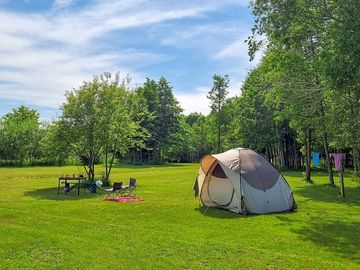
(41, 230)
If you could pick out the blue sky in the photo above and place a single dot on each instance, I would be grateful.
(48, 47)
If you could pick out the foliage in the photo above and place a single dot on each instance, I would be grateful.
(52, 146)
(254, 124)
(314, 41)
(217, 96)
(20, 135)
(164, 121)
(95, 120)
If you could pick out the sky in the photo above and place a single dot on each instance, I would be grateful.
(48, 47)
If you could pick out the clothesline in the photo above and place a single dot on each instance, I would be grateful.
(338, 159)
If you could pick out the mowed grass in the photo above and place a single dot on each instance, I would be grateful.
(40, 229)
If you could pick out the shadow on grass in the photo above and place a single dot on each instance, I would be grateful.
(328, 193)
(339, 237)
(52, 194)
(145, 166)
(217, 212)
(222, 213)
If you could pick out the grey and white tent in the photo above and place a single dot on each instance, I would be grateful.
(242, 181)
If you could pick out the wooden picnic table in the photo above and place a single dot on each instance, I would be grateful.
(71, 182)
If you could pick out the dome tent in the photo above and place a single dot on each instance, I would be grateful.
(242, 181)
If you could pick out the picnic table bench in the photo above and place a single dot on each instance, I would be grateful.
(71, 182)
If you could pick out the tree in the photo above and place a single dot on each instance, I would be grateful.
(340, 67)
(20, 135)
(141, 116)
(168, 116)
(296, 28)
(54, 150)
(182, 148)
(164, 121)
(95, 120)
(115, 118)
(217, 96)
(253, 122)
(199, 141)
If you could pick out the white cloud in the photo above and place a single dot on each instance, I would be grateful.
(39, 60)
(209, 37)
(235, 88)
(44, 54)
(62, 3)
(109, 15)
(197, 101)
(236, 50)
(224, 43)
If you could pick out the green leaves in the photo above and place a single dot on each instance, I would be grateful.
(96, 118)
(20, 135)
(163, 119)
(217, 96)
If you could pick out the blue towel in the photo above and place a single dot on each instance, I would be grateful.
(316, 159)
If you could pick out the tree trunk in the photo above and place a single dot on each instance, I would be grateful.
(218, 133)
(297, 157)
(159, 156)
(281, 154)
(87, 171)
(106, 163)
(326, 143)
(354, 127)
(307, 156)
(356, 160)
(328, 161)
(108, 170)
(92, 169)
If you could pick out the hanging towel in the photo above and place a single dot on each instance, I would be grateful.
(316, 159)
(338, 158)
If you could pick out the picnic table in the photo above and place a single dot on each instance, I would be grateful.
(71, 182)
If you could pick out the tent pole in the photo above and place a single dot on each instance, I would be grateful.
(206, 175)
(241, 206)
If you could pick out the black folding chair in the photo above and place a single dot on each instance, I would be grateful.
(117, 190)
(130, 190)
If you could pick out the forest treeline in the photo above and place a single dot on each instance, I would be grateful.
(303, 96)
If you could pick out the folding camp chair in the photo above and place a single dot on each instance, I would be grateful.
(131, 188)
(117, 190)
